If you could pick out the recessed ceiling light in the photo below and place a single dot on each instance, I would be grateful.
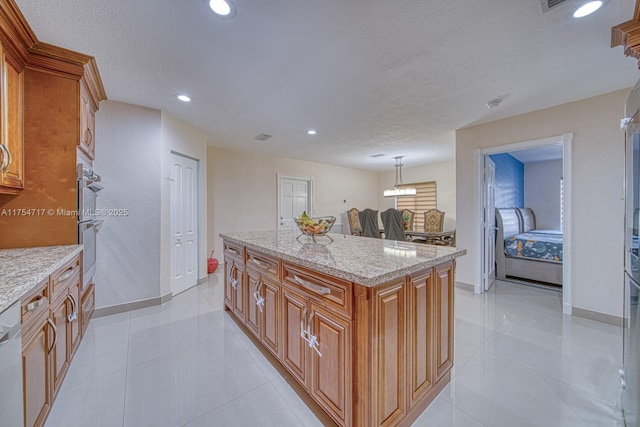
(312, 132)
(221, 7)
(587, 8)
(184, 98)
(224, 8)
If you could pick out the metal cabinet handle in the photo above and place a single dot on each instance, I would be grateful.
(308, 336)
(257, 294)
(68, 273)
(55, 335)
(5, 159)
(233, 251)
(74, 312)
(303, 330)
(35, 303)
(260, 263)
(90, 138)
(234, 281)
(321, 290)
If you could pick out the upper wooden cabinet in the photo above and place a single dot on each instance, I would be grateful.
(627, 35)
(12, 63)
(87, 142)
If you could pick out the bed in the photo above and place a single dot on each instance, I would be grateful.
(524, 252)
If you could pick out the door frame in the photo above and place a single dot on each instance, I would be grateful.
(197, 208)
(567, 174)
(486, 276)
(279, 178)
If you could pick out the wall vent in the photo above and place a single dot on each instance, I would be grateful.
(547, 5)
(262, 137)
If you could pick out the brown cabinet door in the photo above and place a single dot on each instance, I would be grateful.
(331, 362)
(88, 305)
(228, 288)
(59, 355)
(420, 333)
(73, 327)
(444, 318)
(35, 366)
(294, 348)
(389, 314)
(271, 316)
(87, 124)
(12, 158)
(239, 290)
(254, 310)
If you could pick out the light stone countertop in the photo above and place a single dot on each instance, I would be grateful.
(22, 269)
(369, 262)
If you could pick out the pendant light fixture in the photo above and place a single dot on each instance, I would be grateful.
(397, 191)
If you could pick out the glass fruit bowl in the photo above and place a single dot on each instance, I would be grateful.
(318, 226)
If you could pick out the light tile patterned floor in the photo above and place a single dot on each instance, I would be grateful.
(518, 362)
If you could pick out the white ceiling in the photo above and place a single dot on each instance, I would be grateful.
(372, 76)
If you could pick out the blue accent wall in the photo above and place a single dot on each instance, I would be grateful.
(509, 181)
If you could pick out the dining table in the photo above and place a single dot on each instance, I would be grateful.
(446, 238)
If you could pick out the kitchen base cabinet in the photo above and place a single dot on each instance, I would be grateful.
(37, 345)
(51, 333)
(331, 363)
(367, 355)
(59, 351)
(88, 305)
(74, 326)
(294, 348)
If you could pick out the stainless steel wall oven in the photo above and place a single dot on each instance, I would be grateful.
(88, 222)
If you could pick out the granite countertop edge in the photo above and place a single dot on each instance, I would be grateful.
(15, 286)
(366, 281)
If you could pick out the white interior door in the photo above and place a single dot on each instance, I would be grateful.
(294, 198)
(489, 224)
(184, 223)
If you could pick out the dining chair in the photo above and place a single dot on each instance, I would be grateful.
(407, 219)
(354, 222)
(369, 222)
(433, 221)
(392, 223)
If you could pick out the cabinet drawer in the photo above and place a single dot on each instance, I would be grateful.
(234, 251)
(34, 303)
(64, 277)
(331, 292)
(263, 264)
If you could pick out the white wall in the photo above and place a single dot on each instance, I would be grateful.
(542, 192)
(598, 161)
(443, 173)
(242, 190)
(133, 153)
(129, 159)
(179, 137)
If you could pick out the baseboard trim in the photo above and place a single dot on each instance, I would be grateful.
(465, 286)
(202, 280)
(597, 316)
(129, 306)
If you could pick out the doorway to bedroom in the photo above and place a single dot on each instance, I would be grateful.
(523, 204)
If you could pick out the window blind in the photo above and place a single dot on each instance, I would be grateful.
(426, 198)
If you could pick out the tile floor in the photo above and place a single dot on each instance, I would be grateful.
(518, 362)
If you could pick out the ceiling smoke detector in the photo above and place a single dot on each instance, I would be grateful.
(262, 137)
(493, 103)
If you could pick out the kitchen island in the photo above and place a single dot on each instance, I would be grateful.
(364, 325)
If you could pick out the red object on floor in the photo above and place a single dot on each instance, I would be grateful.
(212, 264)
